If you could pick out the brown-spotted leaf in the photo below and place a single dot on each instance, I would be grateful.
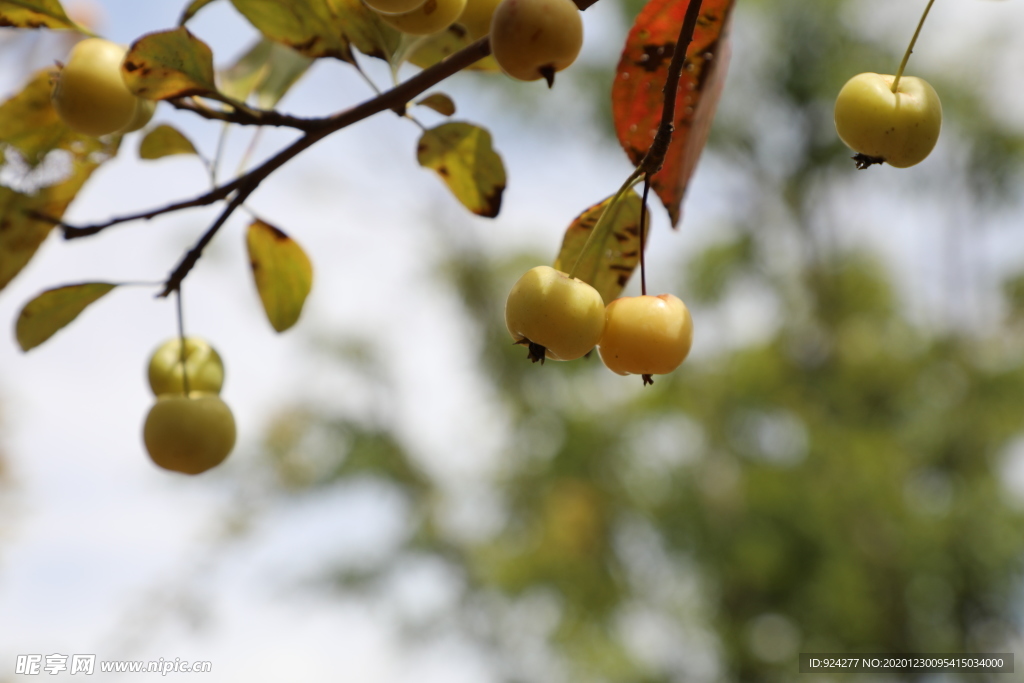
(47, 313)
(462, 155)
(322, 28)
(169, 64)
(637, 99)
(439, 102)
(433, 49)
(34, 14)
(613, 254)
(266, 72)
(283, 273)
(191, 10)
(165, 141)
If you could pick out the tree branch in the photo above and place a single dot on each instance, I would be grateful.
(396, 98)
(244, 117)
(655, 157)
(74, 232)
(316, 129)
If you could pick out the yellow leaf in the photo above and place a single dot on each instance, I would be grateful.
(462, 155)
(322, 28)
(283, 273)
(169, 64)
(44, 315)
(34, 14)
(191, 10)
(164, 141)
(439, 102)
(613, 254)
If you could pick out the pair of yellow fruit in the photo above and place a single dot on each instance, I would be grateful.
(530, 39)
(563, 318)
(188, 432)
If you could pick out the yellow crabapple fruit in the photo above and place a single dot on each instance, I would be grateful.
(476, 17)
(189, 434)
(430, 17)
(144, 110)
(532, 39)
(646, 335)
(90, 95)
(899, 128)
(393, 6)
(557, 316)
(202, 362)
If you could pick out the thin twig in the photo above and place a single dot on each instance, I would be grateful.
(655, 157)
(244, 117)
(73, 232)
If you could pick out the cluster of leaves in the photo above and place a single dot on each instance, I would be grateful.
(177, 67)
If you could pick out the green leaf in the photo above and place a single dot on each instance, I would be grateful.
(462, 155)
(322, 28)
(169, 64)
(34, 14)
(192, 9)
(283, 273)
(609, 262)
(439, 102)
(44, 315)
(268, 70)
(164, 141)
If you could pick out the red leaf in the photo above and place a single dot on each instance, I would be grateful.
(637, 98)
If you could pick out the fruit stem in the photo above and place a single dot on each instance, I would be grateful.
(181, 341)
(643, 236)
(910, 48)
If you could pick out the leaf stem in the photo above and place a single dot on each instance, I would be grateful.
(593, 240)
(910, 48)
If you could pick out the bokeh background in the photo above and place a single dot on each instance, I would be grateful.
(839, 466)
